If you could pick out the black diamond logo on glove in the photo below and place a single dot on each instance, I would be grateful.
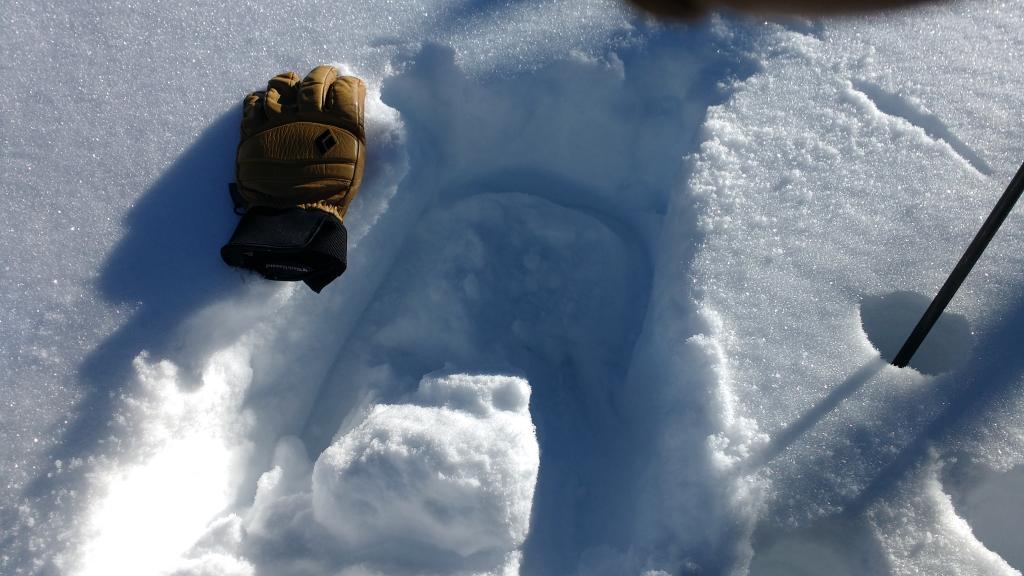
(325, 141)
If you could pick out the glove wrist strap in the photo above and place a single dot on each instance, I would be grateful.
(290, 244)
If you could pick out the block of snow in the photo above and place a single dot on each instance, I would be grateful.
(453, 473)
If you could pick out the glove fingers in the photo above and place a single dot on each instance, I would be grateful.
(252, 112)
(281, 94)
(313, 94)
(347, 98)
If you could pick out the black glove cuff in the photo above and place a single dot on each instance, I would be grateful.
(291, 244)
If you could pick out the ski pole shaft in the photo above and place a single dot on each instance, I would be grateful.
(962, 269)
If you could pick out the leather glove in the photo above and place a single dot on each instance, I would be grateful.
(299, 166)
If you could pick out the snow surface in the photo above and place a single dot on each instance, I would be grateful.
(618, 301)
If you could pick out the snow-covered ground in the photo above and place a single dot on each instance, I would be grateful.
(618, 300)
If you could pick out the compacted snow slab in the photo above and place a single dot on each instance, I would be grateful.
(453, 476)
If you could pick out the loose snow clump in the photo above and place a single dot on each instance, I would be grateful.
(453, 474)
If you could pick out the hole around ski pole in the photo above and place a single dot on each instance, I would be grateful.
(887, 320)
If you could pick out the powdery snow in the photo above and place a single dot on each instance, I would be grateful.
(618, 300)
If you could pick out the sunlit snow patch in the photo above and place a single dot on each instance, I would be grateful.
(154, 509)
(449, 477)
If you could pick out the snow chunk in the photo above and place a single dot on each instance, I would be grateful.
(476, 395)
(454, 473)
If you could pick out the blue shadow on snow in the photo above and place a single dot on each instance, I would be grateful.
(167, 263)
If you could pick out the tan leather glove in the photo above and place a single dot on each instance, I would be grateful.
(303, 143)
(299, 166)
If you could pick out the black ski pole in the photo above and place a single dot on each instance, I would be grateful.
(963, 268)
